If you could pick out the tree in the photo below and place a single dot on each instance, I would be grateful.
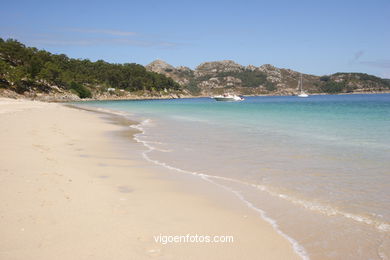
(333, 87)
(50, 72)
(32, 67)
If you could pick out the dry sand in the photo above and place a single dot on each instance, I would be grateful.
(67, 192)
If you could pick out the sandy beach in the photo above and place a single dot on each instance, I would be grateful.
(70, 191)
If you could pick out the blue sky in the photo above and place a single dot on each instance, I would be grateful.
(317, 37)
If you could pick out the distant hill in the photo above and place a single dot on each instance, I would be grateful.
(39, 74)
(227, 76)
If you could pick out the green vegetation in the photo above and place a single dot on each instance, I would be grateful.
(80, 90)
(193, 87)
(332, 87)
(185, 73)
(270, 86)
(325, 78)
(24, 68)
(250, 79)
(360, 76)
(349, 82)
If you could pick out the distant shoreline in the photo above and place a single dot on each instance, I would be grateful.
(65, 99)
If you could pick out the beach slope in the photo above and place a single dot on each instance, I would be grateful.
(67, 193)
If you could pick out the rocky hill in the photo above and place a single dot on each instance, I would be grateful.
(227, 76)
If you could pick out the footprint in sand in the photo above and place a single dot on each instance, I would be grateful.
(50, 159)
(103, 164)
(154, 252)
(41, 148)
(125, 189)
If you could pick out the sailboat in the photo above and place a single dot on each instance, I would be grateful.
(301, 92)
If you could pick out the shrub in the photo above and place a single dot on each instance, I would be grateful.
(333, 87)
(80, 90)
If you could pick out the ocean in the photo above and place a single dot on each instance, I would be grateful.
(317, 169)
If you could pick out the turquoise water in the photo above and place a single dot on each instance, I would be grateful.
(323, 161)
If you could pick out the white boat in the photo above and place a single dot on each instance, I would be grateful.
(301, 92)
(228, 97)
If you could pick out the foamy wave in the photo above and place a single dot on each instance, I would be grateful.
(295, 245)
(147, 144)
(326, 210)
(141, 125)
(323, 209)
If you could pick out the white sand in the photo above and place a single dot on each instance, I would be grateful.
(66, 193)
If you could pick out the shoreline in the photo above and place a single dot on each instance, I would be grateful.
(78, 195)
(65, 99)
(208, 96)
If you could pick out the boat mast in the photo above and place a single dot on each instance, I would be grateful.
(300, 83)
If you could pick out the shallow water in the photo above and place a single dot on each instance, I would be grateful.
(317, 168)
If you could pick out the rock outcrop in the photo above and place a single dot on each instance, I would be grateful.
(160, 66)
(179, 74)
(228, 76)
(213, 68)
